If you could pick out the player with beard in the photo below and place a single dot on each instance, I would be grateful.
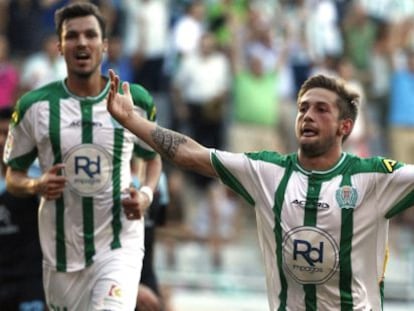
(329, 252)
(90, 219)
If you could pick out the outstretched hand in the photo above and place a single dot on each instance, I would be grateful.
(120, 106)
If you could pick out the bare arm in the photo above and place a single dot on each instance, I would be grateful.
(175, 147)
(50, 185)
(152, 172)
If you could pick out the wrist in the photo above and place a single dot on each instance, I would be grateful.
(146, 190)
(34, 187)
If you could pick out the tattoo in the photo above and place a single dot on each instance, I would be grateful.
(168, 141)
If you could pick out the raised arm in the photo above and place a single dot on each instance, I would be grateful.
(175, 147)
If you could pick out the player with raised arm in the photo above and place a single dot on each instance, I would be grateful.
(322, 214)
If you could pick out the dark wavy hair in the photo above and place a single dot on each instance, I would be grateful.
(78, 9)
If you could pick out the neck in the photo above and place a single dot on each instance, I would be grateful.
(86, 86)
(319, 163)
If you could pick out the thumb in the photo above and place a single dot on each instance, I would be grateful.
(125, 88)
(133, 192)
(55, 169)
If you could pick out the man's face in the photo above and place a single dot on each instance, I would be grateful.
(318, 128)
(82, 45)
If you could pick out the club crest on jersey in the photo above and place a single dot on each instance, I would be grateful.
(88, 169)
(346, 196)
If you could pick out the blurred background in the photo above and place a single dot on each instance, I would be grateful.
(226, 72)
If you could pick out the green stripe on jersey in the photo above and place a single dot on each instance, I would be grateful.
(402, 205)
(230, 180)
(116, 184)
(87, 202)
(23, 162)
(54, 134)
(277, 209)
(311, 213)
(345, 249)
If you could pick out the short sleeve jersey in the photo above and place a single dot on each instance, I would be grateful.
(57, 126)
(323, 234)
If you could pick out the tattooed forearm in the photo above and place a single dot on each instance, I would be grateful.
(168, 141)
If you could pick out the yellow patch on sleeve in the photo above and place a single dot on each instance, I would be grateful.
(15, 117)
(389, 164)
(153, 113)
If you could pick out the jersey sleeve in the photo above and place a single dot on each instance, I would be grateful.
(20, 149)
(233, 170)
(395, 187)
(144, 105)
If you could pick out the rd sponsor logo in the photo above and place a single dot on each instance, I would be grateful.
(310, 255)
(88, 168)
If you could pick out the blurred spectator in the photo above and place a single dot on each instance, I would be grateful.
(389, 10)
(262, 41)
(201, 86)
(21, 285)
(152, 17)
(186, 33)
(295, 16)
(116, 59)
(189, 27)
(378, 91)
(9, 76)
(114, 14)
(153, 35)
(255, 96)
(221, 15)
(402, 111)
(324, 36)
(359, 37)
(43, 67)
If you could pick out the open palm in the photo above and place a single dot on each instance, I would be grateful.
(120, 106)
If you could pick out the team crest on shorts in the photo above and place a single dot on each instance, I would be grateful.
(346, 196)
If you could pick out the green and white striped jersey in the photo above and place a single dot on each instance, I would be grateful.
(58, 127)
(323, 234)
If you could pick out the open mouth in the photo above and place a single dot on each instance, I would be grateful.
(82, 56)
(309, 132)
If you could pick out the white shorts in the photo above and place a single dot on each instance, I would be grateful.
(110, 284)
